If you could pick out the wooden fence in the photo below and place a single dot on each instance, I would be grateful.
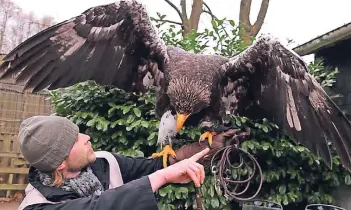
(16, 106)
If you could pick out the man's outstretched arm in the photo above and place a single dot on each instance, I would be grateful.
(135, 167)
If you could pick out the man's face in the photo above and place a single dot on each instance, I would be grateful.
(81, 155)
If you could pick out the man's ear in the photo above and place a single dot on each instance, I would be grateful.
(62, 165)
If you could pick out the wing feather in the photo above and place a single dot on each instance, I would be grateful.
(106, 43)
(280, 87)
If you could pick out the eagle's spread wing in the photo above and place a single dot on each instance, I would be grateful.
(268, 80)
(113, 44)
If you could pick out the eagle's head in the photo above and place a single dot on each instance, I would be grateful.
(188, 96)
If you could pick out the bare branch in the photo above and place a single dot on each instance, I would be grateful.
(8, 9)
(168, 21)
(260, 18)
(16, 25)
(209, 11)
(176, 9)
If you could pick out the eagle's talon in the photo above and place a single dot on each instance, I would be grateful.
(164, 153)
(209, 135)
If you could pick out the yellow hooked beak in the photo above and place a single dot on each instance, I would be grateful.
(180, 120)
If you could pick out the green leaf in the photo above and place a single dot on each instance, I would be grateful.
(265, 129)
(285, 200)
(84, 115)
(91, 123)
(139, 153)
(301, 149)
(348, 179)
(177, 194)
(250, 145)
(111, 110)
(126, 109)
(211, 191)
(151, 136)
(214, 24)
(282, 189)
(130, 119)
(137, 112)
(162, 192)
(144, 124)
(266, 146)
(215, 203)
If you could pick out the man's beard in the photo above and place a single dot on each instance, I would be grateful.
(77, 168)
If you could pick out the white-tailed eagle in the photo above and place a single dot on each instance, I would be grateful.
(116, 44)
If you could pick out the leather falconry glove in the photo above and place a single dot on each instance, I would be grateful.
(220, 141)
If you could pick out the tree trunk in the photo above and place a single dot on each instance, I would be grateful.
(6, 12)
(30, 24)
(192, 22)
(16, 25)
(247, 30)
(196, 11)
(17, 30)
(2, 32)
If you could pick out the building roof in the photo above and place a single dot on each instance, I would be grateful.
(326, 40)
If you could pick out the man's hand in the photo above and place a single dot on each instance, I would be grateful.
(181, 172)
(187, 170)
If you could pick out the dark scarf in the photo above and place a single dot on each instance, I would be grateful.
(85, 184)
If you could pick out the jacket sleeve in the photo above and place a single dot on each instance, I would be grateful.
(135, 167)
(136, 195)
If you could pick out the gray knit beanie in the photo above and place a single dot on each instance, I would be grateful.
(45, 141)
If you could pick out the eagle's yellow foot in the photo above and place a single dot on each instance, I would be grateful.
(208, 135)
(165, 152)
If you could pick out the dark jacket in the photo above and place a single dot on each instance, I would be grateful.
(134, 194)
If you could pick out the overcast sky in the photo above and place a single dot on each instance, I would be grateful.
(300, 20)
